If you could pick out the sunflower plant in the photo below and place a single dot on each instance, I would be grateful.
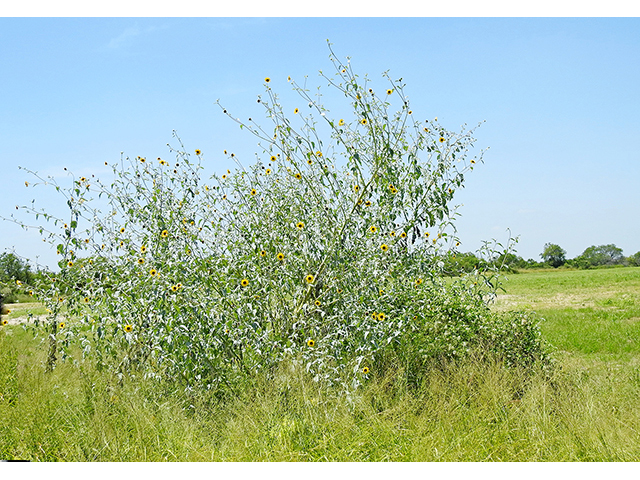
(326, 250)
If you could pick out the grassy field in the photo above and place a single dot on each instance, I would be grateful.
(586, 410)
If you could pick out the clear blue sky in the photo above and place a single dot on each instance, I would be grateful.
(560, 97)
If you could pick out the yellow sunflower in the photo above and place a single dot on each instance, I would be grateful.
(128, 328)
(310, 342)
(309, 278)
(280, 256)
(341, 122)
(365, 370)
(384, 247)
(244, 282)
(198, 152)
(300, 225)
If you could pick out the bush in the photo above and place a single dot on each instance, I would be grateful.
(325, 254)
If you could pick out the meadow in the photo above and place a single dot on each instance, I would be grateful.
(583, 409)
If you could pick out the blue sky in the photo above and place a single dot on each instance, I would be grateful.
(560, 98)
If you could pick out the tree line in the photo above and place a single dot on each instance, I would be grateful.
(552, 256)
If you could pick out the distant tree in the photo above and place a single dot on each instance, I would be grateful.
(553, 255)
(634, 260)
(13, 268)
(603, 255)
(459, 263)
(510, 261)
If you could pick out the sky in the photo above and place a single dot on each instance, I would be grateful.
(559, 98)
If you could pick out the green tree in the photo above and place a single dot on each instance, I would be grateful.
(602, 255)
(634, 260)
(13, 268)
(554, 255)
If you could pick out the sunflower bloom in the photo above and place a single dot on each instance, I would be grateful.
(403, 235)
(441, 139)
(373, 229)
(363, 121)
(263, 253)
(296, 111)
(153, 272)
(309, 278)
(267, 79)
(341, 122)
(310, 342)
(300, 225)
(128, 328)
(280, 256)
(389, 92)
(365, 370)
(61, 325)
(298, 176)
(318, 303)
(381, 316)
(198, 152)
(384, 247)
(164, 234)
(244, 282)
(253, 191)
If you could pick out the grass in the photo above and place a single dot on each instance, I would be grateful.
(585, 410)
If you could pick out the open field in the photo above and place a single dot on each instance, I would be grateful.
(585, 410)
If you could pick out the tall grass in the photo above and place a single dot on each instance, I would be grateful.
(462, 411)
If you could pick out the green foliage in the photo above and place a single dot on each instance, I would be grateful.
(324, 252)
(554, 255)
(14, 268)
(595, 256)
(634, 260)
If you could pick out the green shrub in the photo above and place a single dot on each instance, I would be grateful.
(322, 252)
